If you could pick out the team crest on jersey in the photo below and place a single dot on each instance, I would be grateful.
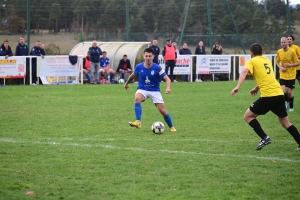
(152, 72)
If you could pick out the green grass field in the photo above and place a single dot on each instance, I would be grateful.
(74, 142)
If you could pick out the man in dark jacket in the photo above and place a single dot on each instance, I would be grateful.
(95, 53)
(5, 50)
(156, 51)
(22, 50)
(185, 51)
(37, 50)
(124, 66)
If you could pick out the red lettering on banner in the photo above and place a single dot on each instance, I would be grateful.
(184, 61)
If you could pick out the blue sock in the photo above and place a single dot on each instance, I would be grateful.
(88, 77)
(111, 76)
(168, 120)
(122, 76)
(138, 111)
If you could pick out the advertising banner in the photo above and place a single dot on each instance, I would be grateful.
(243, 59)
(13, 67)
(213, 64)
(182, 65)
(56, 66)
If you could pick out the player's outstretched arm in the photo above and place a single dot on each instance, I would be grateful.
(240, 81)
(254, 91)
(168, 84)
(130, 78)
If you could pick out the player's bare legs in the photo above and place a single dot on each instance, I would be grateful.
(291, 98)
(162, 109)
(286, 97)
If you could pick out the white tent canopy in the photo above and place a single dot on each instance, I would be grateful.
(115, 50)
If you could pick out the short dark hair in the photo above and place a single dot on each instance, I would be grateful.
(256, 49)
(124, 55)
(293, 38)
(104, 52)
(149, 50)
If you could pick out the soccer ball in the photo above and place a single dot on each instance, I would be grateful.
(121, 81)
(158, 127)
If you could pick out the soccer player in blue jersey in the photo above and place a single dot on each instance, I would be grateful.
(149, 76)
(105, 68)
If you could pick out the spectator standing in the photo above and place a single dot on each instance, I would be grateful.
(124, 66)
(156, 51)
(217, 49)
(37, 50)
(95, 53)
(105, 67)
(87, 66)
(170, 56)
(5, 50)
(185, 51)
(22, 50)
(200, 50)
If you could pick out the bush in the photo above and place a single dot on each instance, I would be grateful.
(53, 49)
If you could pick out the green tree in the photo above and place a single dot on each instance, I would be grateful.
(276, 8)
(168, 19)
(55, 13)
(138, 29)
(258, 24)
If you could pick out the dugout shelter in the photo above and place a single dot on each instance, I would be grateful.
(115, 51)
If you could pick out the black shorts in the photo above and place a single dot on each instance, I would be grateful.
(298, 75)
(287, 83)
(264, 104)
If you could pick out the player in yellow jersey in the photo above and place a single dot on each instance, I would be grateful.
(271, 96)
(287, 61)
(296, 48)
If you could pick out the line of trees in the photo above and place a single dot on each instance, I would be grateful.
(151, 16)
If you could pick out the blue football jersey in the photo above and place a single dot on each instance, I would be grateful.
(149, 78)
(104, 62)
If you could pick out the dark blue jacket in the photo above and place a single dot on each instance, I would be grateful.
(95, 53)
(156, 52)
(36, 51)
(4, 52)
(185, 51)
(121, 64)
(21, 50)
(199, 51)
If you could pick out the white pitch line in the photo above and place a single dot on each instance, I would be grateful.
(166, 140)
(174, 140)
(10, 140)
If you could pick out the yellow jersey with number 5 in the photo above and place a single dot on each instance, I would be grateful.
(261, 69)
(288, 56)
(297, 50)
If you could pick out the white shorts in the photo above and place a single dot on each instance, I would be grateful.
(155, 96)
